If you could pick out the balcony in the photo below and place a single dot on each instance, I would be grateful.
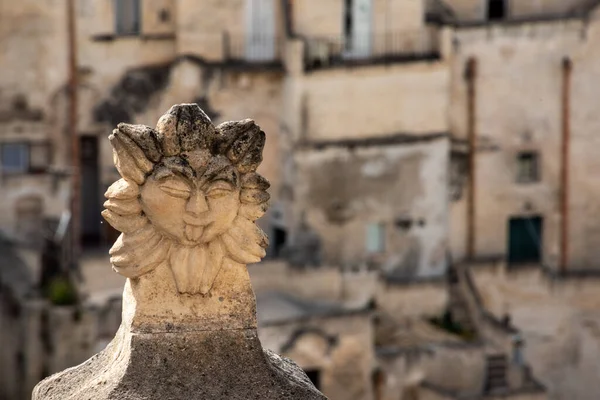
(260, 51)
(374, 48)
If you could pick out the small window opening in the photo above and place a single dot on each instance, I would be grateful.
(164, 15)
(14, 158)
(315, 377)
(496, 10)
(348, 23)
(528, 167)
(279, 241)
(127, 17)
(375, 238)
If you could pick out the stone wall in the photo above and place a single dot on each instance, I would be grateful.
(340, 348)
(558, 320)
(40, 339)
(219, 19)
(543, 7)
(131, 78)
(401, 187)
(324, 19)
(476, 10)
(407, 368)
(412, 300)
(518, 108)
(374, 101)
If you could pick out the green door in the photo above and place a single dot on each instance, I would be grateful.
(525, 240)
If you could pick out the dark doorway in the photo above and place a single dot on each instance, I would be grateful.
(279, 241)
(496, 9)
(348, 26)
(378, 381)
(315, 377)
(90, 200)
(525, 240)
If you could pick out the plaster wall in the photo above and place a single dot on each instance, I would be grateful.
(401, 187)
(559, 322)
(519, 108)
(373, 101)
(345, 364)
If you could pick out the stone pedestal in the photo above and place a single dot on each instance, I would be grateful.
(184, 347)
(228, 364)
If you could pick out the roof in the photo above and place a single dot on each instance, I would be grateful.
(276, 307)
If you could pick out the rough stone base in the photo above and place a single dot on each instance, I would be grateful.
(208, 365)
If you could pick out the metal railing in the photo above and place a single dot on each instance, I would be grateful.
(252, 48)
(323, 51)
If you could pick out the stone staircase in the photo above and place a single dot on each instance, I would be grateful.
(496, 373)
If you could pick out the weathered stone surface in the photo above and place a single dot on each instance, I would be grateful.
(189, 312)
(228, 364)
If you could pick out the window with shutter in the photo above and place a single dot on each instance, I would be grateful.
(375, 238)
(14, 158)
(127, 17)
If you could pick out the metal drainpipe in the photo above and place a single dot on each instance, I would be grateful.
(72, 129)
(567, 67)
(471, 76)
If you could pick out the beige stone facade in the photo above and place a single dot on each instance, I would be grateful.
(367, 152)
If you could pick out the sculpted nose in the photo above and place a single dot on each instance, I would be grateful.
(196, 205)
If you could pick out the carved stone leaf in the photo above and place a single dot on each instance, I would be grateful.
(145, 138)
(230, 131)
(124, 161)
(254, 196)
(123, 224)
(253, 211)
(138, 253)
(124, 207)
(122, 190)
(255, 181)
(245, 242)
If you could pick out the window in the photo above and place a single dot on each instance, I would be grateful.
(15, 158)
(496, 10)
(528, 167)
(375, 238)
(525, 239)
(127, 17)
(357, 23)
(22, 158)
(348, 24)
(279, 240)
(458, 174)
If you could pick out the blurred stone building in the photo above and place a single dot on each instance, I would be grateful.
(430, 160)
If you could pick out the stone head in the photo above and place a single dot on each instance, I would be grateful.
(189, 196)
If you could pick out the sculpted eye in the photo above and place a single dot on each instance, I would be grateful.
(175, 188)
(219, 189)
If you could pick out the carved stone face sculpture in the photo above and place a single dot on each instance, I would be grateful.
(189, 197)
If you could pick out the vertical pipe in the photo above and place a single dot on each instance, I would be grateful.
(471, 76)
(567, 68)
(72, 127)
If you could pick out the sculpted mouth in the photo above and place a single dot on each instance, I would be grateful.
(193, 233)
(199, 221)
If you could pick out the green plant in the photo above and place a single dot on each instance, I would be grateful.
(62, 292)
(446, 323)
